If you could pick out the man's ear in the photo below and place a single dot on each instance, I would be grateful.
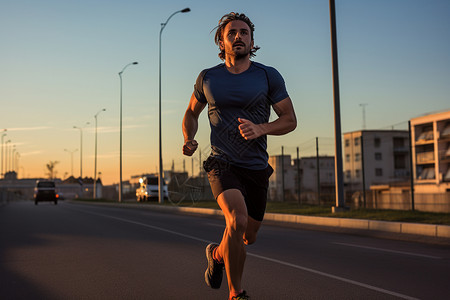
(221, 46)
(252, 44)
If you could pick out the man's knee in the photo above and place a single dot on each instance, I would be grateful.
(238, 223)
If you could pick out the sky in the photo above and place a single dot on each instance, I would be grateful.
(60, 62)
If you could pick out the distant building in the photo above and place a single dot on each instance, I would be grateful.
(385, 155)
(301, 174)
(309, 182)
(283, 177)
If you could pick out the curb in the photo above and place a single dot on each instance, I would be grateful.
(403, 229)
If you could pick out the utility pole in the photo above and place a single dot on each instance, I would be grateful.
(282, 173)
(411, 166)
(298, 178)
(318, 170)
(363, 169)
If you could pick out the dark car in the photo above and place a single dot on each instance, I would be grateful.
(45, 191)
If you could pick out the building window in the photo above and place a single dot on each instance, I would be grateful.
(347, 174)
(399, 142)
(357, 157)
(378, 172)
(400, 161)
(378, 156)
(358, 173)
(347, 157)
(377, 142)
(356, 141)
(347, 142)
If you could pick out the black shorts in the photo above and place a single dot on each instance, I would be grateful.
(253, 184)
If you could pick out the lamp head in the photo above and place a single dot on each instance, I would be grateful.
(187, 9)
(135, 63)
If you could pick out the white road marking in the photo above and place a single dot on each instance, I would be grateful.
(390, 251)
(367, 286)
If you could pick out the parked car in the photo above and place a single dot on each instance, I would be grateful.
(45, 191)
(148, 189)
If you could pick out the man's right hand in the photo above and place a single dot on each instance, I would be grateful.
(189, 147)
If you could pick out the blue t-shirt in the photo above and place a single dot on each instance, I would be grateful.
(247, 95)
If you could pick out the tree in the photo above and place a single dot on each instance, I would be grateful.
(51, 172)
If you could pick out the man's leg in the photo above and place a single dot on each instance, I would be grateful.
(232, 248)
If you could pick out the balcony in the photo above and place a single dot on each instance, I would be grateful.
(425, 158)
(426, 174)
(425, 137)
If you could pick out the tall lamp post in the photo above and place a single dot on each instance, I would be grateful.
(81, 149)
(95, 160)
(160, 178)
(13, 154)
(340, 202)
(16, 163)
(3, 146)
(71, 160)
(6, 157)
(120, 172)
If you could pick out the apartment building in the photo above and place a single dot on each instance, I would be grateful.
(431, 152)
(385, 154)
(283, 178)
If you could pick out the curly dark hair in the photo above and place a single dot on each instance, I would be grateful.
(227, 19)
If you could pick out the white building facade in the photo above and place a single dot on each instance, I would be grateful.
(385, 154)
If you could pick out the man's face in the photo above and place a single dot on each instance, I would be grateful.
(237, 39)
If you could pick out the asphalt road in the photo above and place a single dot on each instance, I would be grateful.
(77, 251)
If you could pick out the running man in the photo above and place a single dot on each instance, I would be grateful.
(239, 94)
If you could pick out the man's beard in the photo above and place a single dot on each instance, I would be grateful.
(240, 54)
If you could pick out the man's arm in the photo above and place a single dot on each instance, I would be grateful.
(190, 125)
(285, 123)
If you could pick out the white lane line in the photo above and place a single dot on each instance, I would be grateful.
(390, 251)
(367, 286)
(146, 225)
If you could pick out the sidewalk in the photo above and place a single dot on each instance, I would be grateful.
(400, 229)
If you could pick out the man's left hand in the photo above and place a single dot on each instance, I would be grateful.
(250, 130)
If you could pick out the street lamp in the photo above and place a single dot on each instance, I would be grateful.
(13, 154)
(6, 157)
(17, 157)
(3, 146)
(95, 163)
(81, 150)
(120, 176)
(338, 164)
(160, 176)
(71, 160)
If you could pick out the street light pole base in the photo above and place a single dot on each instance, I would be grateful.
(337, 209)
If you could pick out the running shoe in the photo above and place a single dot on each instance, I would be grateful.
(241, 296)
(214, 272)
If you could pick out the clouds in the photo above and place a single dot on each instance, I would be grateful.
(35, 128)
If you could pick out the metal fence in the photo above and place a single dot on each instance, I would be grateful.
(402, 201)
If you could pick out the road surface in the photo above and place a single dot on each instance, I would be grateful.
(79, 251)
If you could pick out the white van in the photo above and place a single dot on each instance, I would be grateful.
(148, 189)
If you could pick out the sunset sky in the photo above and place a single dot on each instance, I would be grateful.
(60, 62)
